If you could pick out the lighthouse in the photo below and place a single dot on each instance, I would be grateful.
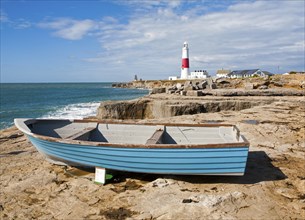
(185, 61)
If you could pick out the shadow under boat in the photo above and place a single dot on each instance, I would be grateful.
(259, 169)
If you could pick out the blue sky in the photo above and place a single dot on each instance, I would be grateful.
(108, 41)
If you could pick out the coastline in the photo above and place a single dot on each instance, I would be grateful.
(158, 106)
(292, 81)
(57, 100)
(274, 182)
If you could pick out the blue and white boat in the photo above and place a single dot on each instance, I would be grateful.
(186, 149)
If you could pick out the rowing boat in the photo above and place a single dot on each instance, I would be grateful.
(186, 149)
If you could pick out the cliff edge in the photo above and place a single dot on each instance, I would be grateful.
(184, 97)
(164, 105)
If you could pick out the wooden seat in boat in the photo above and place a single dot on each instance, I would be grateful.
(81, 135)
(156, 138)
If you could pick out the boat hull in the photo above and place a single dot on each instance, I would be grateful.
(178, 161)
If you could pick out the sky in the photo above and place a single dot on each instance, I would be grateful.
(112, 41)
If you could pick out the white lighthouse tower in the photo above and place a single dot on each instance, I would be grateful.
(185, 61)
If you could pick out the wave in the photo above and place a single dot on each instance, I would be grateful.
(74, 111)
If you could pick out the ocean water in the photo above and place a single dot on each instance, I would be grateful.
(57, 100)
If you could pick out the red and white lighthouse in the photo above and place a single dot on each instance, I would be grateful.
(185, 61)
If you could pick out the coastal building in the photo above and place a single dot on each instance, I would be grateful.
(222, 73)
(248, 73)
(199, 74)
(185, 61)
(173, 78)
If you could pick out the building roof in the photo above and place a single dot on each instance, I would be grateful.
(267, 73)
(223, 72)
(243, 73)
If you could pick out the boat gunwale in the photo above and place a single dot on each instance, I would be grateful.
(244, 144)
(152, 123)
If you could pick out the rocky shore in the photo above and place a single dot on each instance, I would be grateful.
(163, 105)
(293, 81)
(273, 186)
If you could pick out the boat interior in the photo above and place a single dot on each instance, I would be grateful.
(134, 133)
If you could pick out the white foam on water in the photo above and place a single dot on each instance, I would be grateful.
(74, 111)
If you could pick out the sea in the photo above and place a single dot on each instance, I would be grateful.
(57, 100)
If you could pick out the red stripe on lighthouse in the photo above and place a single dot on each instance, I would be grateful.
(185, 62)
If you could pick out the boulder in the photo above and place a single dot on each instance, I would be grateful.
(202, 85)
(249, 86)
(188, 88)
(158, 90)
(194, 93)
(187, 83)
(183, 92)
(174, 88)
(263, 87)
(179, 85)
(213, 86)
(196, 87)
(222, 81)
(169, 89)
(277, 83)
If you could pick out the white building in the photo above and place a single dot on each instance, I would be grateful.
(223, 73)
(199, 74)
(173, 78)
(249, 73)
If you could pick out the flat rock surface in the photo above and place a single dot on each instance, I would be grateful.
(273, 186)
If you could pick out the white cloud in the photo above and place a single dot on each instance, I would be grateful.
(69, 29)
(76, 31)
(57, 23)
(150, 4)
(3, 16)
(246, 34)
(22, 24)
(261, 34)
(14, 23)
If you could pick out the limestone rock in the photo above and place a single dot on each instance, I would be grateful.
(123, 109)
(179, 85)
(249, 86)
(213, 86)
(161, 108)
(158, 90)
(183, 93)
(161, 183)
(188, 88)
(187, 83)
(263, 87)
(203, 84)
(194, 93)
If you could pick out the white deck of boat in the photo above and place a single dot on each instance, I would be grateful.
(137, 134)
